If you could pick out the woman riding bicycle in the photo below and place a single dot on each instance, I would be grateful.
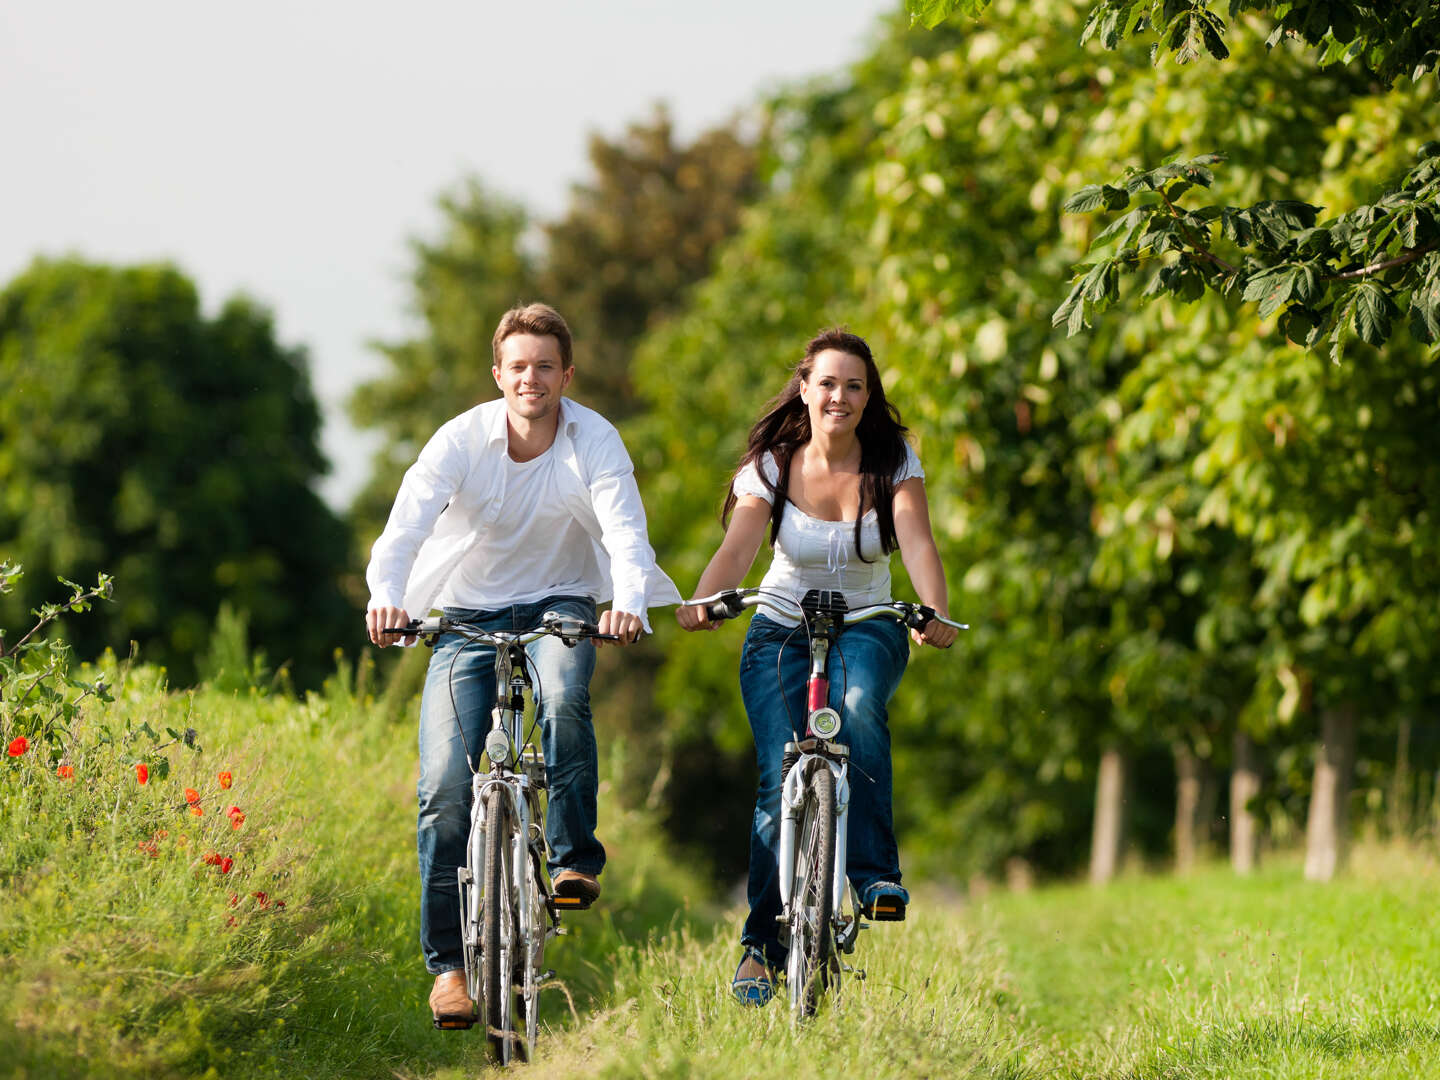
(828, 471)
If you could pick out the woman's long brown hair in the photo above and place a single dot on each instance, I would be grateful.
(785, 427)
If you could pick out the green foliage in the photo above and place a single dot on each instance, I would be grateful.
(1348, 279)
(1121, 513)
(177, 450)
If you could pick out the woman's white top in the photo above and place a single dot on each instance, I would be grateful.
(811, 553)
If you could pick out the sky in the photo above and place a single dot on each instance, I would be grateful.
(289, 150)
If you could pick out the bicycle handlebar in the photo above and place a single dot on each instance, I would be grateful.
(569, 630)
(729, 603)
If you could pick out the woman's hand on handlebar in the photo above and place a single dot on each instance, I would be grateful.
(387, 618)
(935, 633)
(694, 618)
(622, 624)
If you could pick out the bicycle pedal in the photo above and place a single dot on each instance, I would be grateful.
(453, 1024)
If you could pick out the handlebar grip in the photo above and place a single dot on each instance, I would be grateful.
(728, 606)
(412, 627)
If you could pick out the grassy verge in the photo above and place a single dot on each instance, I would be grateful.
(128, 947)
(1152, 979)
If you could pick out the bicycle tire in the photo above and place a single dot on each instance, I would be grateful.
(498, 931)
(807, 973)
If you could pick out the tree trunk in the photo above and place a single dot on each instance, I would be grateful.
(1107, 842)
(1329, 819)
(1244, 825)
(1400, 794)
(1189, 784)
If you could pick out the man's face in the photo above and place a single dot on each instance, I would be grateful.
(531, 375)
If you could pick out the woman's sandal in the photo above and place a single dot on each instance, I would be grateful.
(754, 990)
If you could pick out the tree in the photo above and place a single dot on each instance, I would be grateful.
(177, 452)
(1346, 278)
(637, 236)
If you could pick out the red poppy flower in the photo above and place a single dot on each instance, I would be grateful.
(192, 796)
(234, 899)
(211, 858)
(66, 772)
(197, 810)
(225, 864)
(142, 774)
(261, 898)
(225, 779)
(18, 746)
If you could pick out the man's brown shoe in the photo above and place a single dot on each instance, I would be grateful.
(575, 891)
(450, 1003)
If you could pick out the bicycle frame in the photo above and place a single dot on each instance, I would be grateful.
(825, 615)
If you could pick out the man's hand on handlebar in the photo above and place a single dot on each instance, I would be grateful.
(623, 625)
(387, 618)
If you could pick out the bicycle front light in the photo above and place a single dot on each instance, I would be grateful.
(825, 723)
(497, 747)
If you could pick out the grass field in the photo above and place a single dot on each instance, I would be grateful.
(125, 952)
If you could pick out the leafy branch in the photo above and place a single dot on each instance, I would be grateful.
(1353, 275)
(80, 601)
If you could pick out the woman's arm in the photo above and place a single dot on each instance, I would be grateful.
(922, 559)
(731, 562)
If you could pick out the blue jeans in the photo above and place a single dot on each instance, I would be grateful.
(865, 668)
(562, 688)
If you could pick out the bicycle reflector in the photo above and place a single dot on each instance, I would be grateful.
(825, 723)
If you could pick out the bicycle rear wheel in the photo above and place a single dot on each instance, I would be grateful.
(807, 972)
(499, 931)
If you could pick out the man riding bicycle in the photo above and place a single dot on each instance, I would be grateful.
(518, 507)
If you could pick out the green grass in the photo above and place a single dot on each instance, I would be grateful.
(118, 963)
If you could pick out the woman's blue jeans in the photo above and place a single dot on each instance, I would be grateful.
(458, 697)
(865, 668)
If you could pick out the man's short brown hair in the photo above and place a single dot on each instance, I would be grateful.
(537, 319)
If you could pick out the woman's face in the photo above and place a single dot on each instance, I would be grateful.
(836, 392)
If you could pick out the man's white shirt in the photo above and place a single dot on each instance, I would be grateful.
(472, 528)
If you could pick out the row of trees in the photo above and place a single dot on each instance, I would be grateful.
(1188, 547)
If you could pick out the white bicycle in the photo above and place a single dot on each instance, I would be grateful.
(508, 910)
(820, 912)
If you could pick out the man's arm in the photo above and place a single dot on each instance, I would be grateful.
(426, 490)
(636, 579)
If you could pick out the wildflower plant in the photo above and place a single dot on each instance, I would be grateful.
(41, 700)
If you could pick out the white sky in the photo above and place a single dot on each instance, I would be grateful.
(289, 149)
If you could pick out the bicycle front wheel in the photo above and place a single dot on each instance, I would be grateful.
(807, 972)
(499, 930)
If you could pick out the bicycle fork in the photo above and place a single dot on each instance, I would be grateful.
(792, 798)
